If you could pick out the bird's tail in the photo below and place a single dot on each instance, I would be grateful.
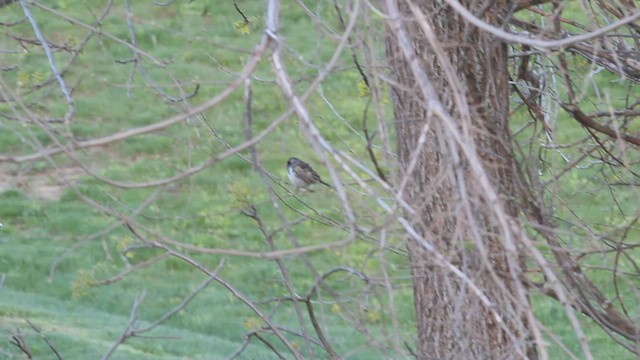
(324, 183)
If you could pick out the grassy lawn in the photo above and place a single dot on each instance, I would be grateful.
(201, 44)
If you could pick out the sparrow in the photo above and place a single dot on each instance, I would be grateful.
(302, 174)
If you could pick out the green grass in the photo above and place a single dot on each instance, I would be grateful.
(203, 210)
(84, 332)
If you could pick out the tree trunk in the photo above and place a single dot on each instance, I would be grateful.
(451, 210)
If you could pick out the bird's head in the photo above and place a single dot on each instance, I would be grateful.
(292, 161)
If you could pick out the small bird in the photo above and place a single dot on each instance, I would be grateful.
(302, 174)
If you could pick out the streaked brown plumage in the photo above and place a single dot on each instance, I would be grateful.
(302, 174)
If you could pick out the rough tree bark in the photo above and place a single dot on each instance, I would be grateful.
(452, 322)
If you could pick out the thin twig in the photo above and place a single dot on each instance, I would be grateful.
(45, 340)
(47, 49)
(133, 330)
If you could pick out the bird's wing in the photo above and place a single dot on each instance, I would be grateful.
(306, 173)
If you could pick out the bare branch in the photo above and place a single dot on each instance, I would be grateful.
(133, 330)
(589, 122)
(47, 49)
(225, 284)
(49, 344)
(540, 44)
(252, 63)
